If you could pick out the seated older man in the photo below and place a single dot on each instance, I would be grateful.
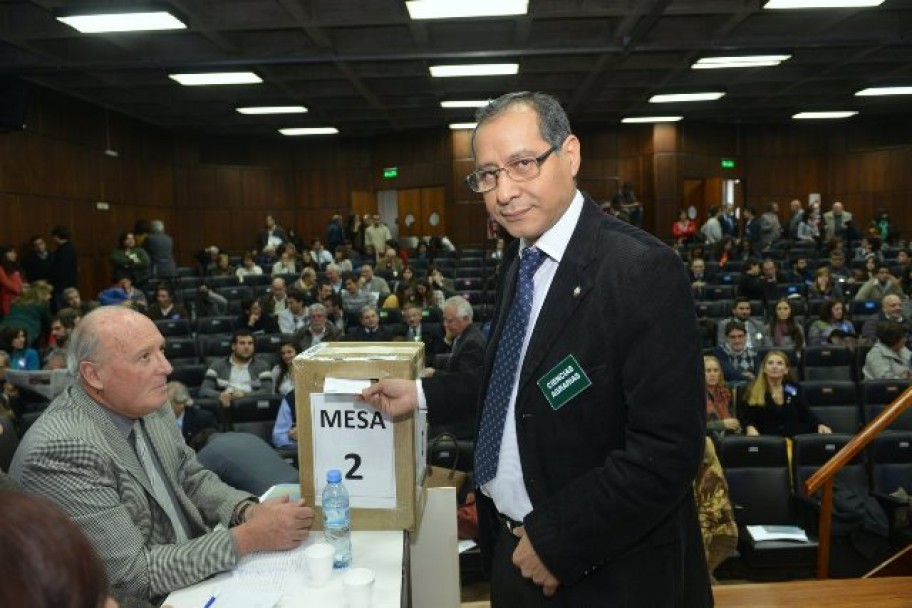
(109, 452)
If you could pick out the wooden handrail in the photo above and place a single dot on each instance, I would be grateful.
(823, 477)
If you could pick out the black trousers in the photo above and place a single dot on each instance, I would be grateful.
(508, 587)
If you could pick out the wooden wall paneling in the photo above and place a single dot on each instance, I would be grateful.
(409, 202)
(11, 220)
(363, 202)
(433, 201)
(228, 191)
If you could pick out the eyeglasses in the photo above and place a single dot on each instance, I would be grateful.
(519, 170)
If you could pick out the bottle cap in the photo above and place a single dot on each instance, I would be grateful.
(333, 476)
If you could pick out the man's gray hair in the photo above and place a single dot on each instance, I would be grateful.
(553, 124)
(85, 339)
(316, 308)
(66, 293)
(156, 226)
(462, 306)
(331, 267)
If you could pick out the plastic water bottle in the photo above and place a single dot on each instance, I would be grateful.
(337, 518)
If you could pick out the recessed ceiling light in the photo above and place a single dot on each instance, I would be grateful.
(640, 119)
(877, 91)
(449, 9)
(463, 125)
(747, 61)
(820, 115)
(464, 104)
(272, 110)
(673, 97)
(480, 69)
(309, 131)
(122, 21)
(214, 78)
(785, 4)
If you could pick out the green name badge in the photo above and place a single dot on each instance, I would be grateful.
(563, 382)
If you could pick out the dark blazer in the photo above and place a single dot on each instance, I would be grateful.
(160, 247)
(304, 338)
(610, 473)
(196, 420)
(432, 338)
(64, 267)
(791, 418)
(455, 388)
(359, 334)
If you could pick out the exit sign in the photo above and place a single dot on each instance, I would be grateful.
(390, 172)
(728, 163)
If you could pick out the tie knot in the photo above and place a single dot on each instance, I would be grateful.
(532, 258)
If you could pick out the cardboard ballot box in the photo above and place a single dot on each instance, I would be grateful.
(382, 460)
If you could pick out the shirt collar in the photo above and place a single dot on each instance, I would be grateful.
(123, 424)
(554, 241)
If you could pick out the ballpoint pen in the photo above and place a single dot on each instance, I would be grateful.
(211, 600)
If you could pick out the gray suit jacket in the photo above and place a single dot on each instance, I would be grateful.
(75, 456)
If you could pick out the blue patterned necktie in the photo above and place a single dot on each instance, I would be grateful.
(506, 362)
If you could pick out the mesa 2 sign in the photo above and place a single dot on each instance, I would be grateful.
(359, 441)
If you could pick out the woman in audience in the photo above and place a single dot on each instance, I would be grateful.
(406, 276)
(343, 258)
(719, 419)
(47, 561)
(807, 231)
(683, 230)
(132, 261)
(773, 403)
(889, 359)
(824, 287)
(784, 331)
(832, 318)
(282, 380)
(247, 268)
(424, 295)
(404, 294)
(31, 311)
(14, 341)
(286, 263)
(10, 278)
(254, 319)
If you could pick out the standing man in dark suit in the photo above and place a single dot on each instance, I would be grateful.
(160, 247)
(64, 264)
(592, 410)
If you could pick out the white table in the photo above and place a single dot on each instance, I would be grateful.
(382, 552)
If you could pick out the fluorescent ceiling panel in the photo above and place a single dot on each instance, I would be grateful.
(123, 22)
(464, 104)
(216, 78)
(460, 9)
(272, 110)
(821, 115)
(463, 125)
(675, 97)
(309, 131)
(481, 69)
(753, 61)
(786, 4)
(878, 91)
(645, 119)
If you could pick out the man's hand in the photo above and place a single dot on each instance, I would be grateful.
(293, 433)
(427, 372)
(732, 424)
(526, 559)
(274, 525)
(392, 396)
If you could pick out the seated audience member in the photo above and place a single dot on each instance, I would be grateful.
(354, 299)
(773, 404)
(123, 294)
(285, 430)
(891, 309)
(62, 326)
(754, 328)
(266, 257)
(334, 313)
(785, 331)
(371, 284)
(824, 287)
(55, 358)
(390, 262)
(838, 269)
(307, 285)
(276, 300)
(467, 343)
(889, 358)
(191, 420)
(31, 311)
(414, 330)
(223, 267)
(240, 374)
(164, 307)
(719, 419)
(770, 279)
(282, 377)
(799, 271)
(320, 329)
(698, 278)
(208, 303)
(49, 565)
(286, 264)
(14, 341)
(247, 268)
(752, 286)
(404, 294)
(254, 319)
(334, 278)
(321, 256)
(370, 329)
(294, 317)
(739, 361)
(442, 286)
(72, 299)
(880, 285)
(832, 319)
(345, 258)
(99, 451)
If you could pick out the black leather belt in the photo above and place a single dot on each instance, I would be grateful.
(510, 525)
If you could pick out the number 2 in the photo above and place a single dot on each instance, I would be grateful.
(352, 472)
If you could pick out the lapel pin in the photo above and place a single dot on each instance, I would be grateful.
(576, 291)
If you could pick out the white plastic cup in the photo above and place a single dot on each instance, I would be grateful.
(359, 587)
(319, 559)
